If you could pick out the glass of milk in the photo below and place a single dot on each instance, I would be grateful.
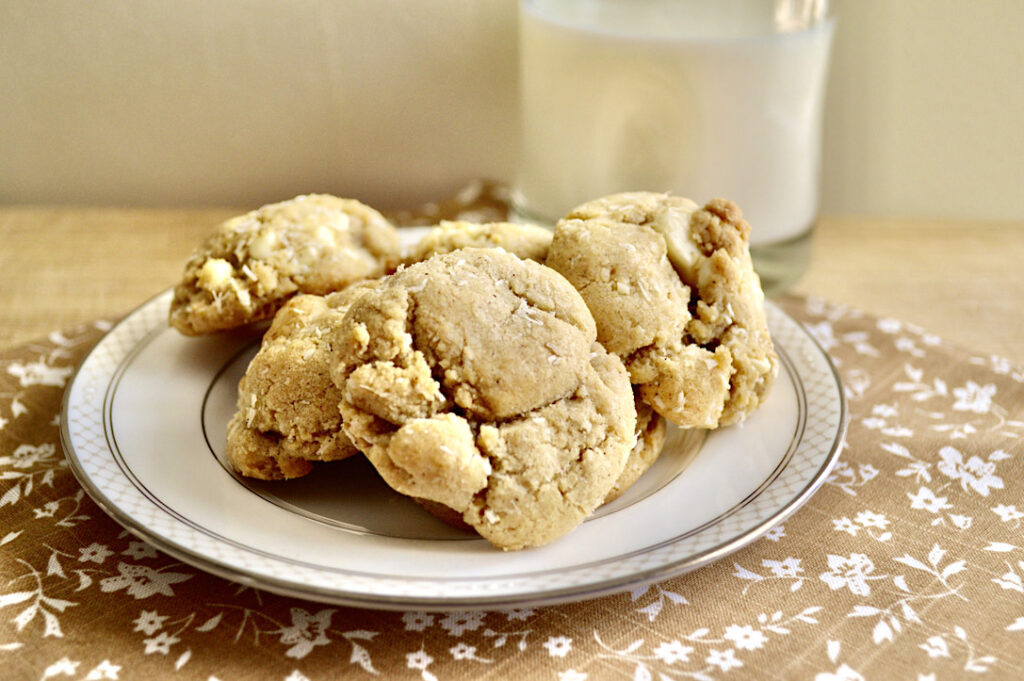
(700, 98)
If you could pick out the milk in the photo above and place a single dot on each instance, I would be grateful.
(702, 99)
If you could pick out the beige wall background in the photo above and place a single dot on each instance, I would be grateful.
(396, 101)
(925, 112)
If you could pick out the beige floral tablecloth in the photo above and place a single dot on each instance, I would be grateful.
(907, 564)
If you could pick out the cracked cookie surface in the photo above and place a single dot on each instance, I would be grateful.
(674, 294)
(649, 440)
(287, 414)
(529, 242)
(473, 380)
(252, 264)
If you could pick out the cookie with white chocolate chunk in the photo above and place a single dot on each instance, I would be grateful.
(674, 294)
(252, 264)
(473, 380)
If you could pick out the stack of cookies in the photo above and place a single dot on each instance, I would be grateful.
(509, 379)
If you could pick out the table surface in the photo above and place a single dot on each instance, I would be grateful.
(60, 266)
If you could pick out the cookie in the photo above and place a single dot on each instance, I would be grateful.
(526, 241)
(287, 413)
(473, 380)
(649, 440)
(674, 294)
(254, 263)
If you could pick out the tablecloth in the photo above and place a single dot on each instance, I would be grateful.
(907, 564)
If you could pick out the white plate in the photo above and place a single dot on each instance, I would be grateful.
(144, 422)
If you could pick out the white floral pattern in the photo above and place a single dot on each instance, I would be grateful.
(912, 551)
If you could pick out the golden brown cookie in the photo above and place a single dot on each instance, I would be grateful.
(674, 294)
(288, 413)
(253, 263)
(650, 438)
(473, 380)
(651, 434)
(526, 241)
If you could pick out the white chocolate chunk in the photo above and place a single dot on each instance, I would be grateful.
(215, 274)
(325, 235)
(263, 245)
(674, 224)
